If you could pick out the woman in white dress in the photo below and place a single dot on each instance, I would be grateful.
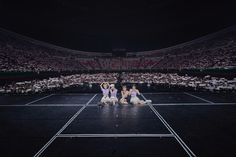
(105, 92)
(133, 92)
(113, 92)
(124, 95)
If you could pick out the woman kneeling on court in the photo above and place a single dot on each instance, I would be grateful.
(113, 92)
(124, 95)
(105, 92)
(134, 99)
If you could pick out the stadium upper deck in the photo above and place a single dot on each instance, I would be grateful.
(19, 53)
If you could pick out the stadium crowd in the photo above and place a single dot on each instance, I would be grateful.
(36, 59)
(173, 79)
(27, 58)
(77, 80)
(216, 57)
(38, 86)
(21, 55)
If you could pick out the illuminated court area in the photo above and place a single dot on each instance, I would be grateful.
(71, 124)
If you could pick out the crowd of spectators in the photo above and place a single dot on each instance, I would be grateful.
(170, 79)
(118, 63)
(216, 57)
(22, 55)
(36, 59)
(62, 82)
(213, 51)
(173, 79)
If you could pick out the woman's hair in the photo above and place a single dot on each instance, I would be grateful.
(103, 84)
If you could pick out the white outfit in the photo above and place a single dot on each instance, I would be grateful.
(105, 98)
(113, 95)
(134, 99)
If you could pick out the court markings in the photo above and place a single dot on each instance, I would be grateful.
(63, 128)
(171, 130)
(116, 135)
(39, 99)
(96, 105)
(198, 97)
(89, 94)
(169, 93)
(57, 104)
(35, 105)
(195, 104)
(74, 94)
(173, 134)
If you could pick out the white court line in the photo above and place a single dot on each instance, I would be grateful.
(44, 105)
(76, 94)
(63, 128)
(39, 99)
(58, 104)
(181, 142)
(95, 105)
(116, 135)
(169, 93)
(194, 104)
(198, 97)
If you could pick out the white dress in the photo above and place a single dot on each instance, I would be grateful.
(134, 99)
(105, 98)
(113, 95)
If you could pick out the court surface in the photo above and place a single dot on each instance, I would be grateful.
(71, 124)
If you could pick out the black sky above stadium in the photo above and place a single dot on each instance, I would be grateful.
(104, 26)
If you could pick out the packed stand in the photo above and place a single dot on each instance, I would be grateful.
(220, 57)
(218, 51)
(173, 79)
(152, 79)
(23, 56)
(62, 82)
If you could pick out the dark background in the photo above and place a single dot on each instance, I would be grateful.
(106, 26)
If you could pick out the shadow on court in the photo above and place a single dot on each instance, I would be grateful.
(207, 129)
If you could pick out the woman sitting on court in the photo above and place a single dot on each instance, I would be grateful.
(113, 92)
(134, 99)
(124, 95)
(105, 92)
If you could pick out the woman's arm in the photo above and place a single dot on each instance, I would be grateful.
(138, 92)
(101, 85)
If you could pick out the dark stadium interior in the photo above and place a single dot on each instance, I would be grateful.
(117, 78)
(103, 26)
